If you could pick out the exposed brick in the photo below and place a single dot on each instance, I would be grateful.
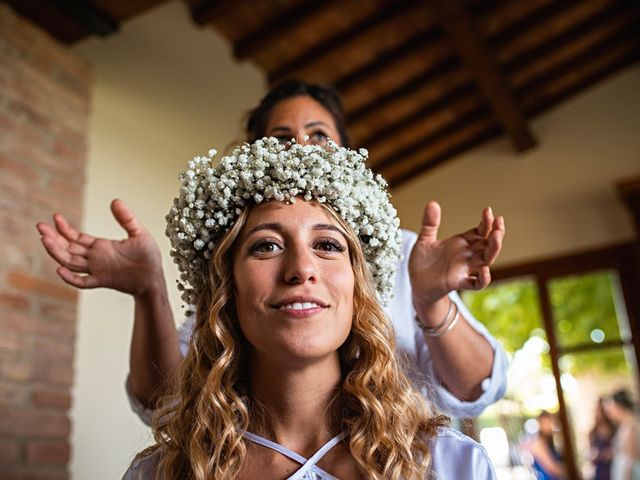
(11, 342)
(37, 286)
(48, 397)
(19, 169)
(20, 322)
(12, 394)
(13, 301)
(9, 450)
(44, 112)
(52, 348)
(16, 369)
(48, 452)
(59, 311)
(35, 472)
(37, 368)
(33, 423)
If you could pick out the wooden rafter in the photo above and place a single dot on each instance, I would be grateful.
(448, 65)
(539, 94)
(405, 50)
(281, 27)
(88, 16)
(338, 41)
(208, 11)
(471, 47)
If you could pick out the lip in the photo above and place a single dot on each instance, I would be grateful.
(306, 312)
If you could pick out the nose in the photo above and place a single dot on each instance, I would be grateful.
(300, 137)
(299, 266)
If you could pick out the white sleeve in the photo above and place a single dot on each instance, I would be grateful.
(184, 336)
(456, 456)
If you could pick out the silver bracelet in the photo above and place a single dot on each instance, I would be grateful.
(447, 324)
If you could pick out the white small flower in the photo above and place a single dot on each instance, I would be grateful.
(211, 198)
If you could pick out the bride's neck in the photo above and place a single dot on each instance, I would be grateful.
(299, 402)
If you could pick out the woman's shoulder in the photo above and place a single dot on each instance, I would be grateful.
(143, 466)
(454, 455)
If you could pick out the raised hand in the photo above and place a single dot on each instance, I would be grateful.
(132, 265)
(460, 262)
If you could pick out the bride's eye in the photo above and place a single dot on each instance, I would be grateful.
(265, 246)
(329, 245)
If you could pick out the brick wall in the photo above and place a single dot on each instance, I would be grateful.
(44, 109)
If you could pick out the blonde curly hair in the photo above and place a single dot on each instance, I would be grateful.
(199, 432)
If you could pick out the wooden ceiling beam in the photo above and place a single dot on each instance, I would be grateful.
(403, 51)
(612, 22)
(86, 15)
(457, 142)
(543, 91)
(338, 41)
(281, 27)
(471, 47)
(208, 11)
(538, 95)
(433, 108)
(448, 65)
(427, 141)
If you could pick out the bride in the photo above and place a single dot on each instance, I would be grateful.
(291, 371)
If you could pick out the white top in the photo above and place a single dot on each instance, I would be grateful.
(454, 456)
(411, 345)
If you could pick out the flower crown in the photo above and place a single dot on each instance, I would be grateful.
(211, 199)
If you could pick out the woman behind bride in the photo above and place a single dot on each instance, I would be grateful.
(291, 371)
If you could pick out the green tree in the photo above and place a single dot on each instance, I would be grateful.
(582, 305)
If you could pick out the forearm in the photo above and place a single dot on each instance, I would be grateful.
(155, 355)
(462, 357)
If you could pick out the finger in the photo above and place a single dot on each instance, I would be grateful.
(494, 246)
(56, 251)
(70, 233)
(485, 222)
(484, 278)
(78, 281)
(125, 217)
(430, 222)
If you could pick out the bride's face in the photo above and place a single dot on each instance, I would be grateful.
(293, 282)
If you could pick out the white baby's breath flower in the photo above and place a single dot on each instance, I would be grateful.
(211, 198)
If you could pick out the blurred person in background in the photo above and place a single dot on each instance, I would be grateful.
(600, 440)
(625, 464)
(547, 461)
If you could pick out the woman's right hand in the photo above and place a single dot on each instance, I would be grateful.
(132, 265)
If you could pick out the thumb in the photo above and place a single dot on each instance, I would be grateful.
(430, 222)
(125, 217)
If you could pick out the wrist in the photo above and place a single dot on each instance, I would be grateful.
(153, 289)
(431, 312)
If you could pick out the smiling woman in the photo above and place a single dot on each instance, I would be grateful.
(293, 283)
(291, 369)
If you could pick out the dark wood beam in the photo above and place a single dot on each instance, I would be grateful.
(432, 73)
(86, 15)
(460, 123)
(538, 95)
(586, 26)
(209, 11)
(471, 47)
(407, 49)
(387, 132)
(281, 27)
(546, 90)
(339, 41)
(461, 141)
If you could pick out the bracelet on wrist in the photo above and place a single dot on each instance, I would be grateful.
(450, 320)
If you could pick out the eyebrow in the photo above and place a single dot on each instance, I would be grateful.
(279, 228)
(285, 128)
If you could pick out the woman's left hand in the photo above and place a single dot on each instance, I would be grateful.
(460, 262)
